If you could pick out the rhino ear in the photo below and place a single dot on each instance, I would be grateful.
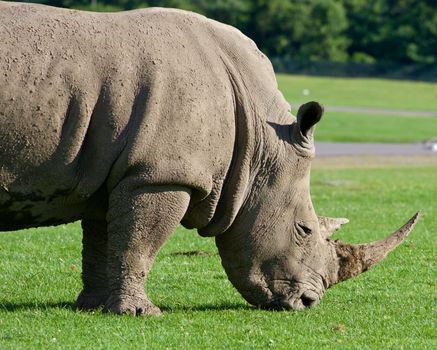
(328, 226)
(302, 130)
(309, 115)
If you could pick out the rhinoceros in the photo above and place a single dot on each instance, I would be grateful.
(138, 121)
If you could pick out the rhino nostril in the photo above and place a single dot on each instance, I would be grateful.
(308, 301)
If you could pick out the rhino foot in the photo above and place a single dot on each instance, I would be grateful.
(127, 304)
(90, 301)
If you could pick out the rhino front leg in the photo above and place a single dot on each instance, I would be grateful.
(140, 219)
(94, 265)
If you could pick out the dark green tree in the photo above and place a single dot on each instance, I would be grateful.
(401, 31)
(312, 30)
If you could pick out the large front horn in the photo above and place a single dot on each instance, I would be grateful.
(354, 259)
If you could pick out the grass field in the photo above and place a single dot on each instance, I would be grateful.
(393, 306)
(359, 127)
(371, 93)
(360, 92)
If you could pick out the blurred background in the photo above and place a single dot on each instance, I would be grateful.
(390, 38)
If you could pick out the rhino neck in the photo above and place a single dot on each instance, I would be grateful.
(251, 147)
(236, 185)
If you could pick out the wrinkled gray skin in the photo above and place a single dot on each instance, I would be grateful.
(134, 122)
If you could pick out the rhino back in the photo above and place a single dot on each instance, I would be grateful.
(90, 98)
(61, 111)
(59, 72)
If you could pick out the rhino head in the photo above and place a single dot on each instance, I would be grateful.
(278, 253)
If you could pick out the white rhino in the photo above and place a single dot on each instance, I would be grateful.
(137, 121)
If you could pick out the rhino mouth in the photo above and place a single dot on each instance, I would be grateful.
(299, 302)
(281, 294)
(296, 301)
(292, 295)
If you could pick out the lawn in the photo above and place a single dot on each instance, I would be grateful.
(392, 306)
(359, 127)
(370, 93)
(360, 92)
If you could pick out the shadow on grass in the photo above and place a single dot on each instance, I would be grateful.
(208, 307)
(193, 253)
(11, 307)
(66, 305)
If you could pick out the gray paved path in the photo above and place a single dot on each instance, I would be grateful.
(332, 149)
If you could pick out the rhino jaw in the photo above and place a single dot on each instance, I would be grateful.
(298, 300)
(281, 294)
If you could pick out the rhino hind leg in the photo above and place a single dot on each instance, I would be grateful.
(94, 265)
(140, 219)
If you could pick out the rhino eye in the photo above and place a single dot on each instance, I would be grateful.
(303, 229)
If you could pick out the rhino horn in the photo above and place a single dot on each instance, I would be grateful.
(354, 259)
(329, 225)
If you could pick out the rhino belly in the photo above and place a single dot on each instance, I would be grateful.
(18, 211)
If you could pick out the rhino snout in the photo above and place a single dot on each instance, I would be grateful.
(278, 294)
(297, 301)
(305, 300)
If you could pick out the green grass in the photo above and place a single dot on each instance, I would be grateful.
(392, 306)
(360, 92)
(354, 127)
(370, 93)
